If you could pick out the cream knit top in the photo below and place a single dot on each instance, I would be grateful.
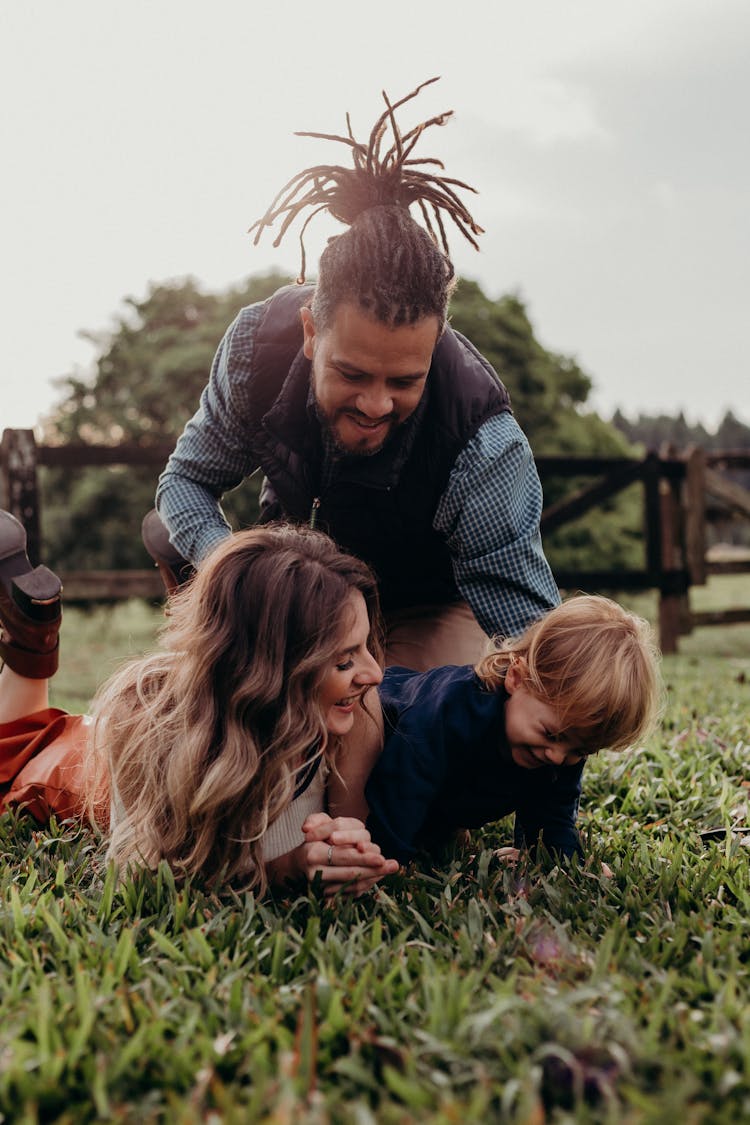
(285, 833)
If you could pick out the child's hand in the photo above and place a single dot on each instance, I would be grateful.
(507, 855)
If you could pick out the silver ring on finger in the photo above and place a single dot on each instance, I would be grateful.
(329, 861)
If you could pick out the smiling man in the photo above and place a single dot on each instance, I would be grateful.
(373, 420)
(367, 377)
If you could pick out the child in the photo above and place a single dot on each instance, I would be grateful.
(216, 747)
(464, 745)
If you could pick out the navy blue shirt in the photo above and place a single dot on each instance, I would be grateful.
(446, 764)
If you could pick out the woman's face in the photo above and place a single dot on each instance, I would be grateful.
(354, 671)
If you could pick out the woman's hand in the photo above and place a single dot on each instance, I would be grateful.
(341, 850)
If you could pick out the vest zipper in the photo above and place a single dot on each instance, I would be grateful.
(314, 512)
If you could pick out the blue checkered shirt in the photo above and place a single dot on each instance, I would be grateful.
(489, 513)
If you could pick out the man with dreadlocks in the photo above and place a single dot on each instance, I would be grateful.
(370, 418)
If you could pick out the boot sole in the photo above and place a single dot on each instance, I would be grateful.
(35, 590)
(37, 593)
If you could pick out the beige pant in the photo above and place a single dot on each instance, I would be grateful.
(429, 636)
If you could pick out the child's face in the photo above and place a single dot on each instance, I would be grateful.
(532, 728)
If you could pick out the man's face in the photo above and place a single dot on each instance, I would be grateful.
(367, 377)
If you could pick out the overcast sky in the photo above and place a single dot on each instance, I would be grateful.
(608, 142)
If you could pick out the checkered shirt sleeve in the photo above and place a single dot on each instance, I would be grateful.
(489, 515)
(211, 456)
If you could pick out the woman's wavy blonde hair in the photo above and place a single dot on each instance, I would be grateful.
(596, 664)
(204, 739)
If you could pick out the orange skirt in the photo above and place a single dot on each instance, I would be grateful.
(41, 765)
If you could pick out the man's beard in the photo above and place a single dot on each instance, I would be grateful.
(342, 450)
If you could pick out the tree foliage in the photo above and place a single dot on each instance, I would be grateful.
(546, 389)
(655, 430)
(151, 368)
(154, 361)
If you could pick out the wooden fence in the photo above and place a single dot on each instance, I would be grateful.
(680, 491)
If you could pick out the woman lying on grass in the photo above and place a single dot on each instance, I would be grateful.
(216, 747)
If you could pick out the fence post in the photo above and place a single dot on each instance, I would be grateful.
(675, 617)
(654, 526)
(18, 455)
(655, 531)
(652, 516)
(694, 505)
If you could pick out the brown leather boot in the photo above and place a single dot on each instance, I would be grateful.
(30, 608)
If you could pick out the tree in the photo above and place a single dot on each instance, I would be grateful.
(145, 385)
(546, 389)
(154, 362)
(732, 433)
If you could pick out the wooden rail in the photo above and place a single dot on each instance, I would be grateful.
(677, 488)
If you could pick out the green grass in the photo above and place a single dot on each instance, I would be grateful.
(616, 991)
(94, 642)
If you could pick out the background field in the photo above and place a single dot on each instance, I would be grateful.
(614, 991)
(96, 640)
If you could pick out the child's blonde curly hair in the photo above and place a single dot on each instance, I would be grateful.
(595, 663)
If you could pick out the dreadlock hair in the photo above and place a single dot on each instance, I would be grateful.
(386, 262)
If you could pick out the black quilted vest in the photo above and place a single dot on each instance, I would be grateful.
(379, 508)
